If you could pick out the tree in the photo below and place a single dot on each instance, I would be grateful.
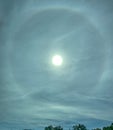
(53, 128)
(49, 128)
(79, 127)
(97, 129)
(108, 127)
(111, 127)
(58, 128)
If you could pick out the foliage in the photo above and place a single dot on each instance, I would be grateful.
(79, 127)
(108, 127)
(53, 128)
(97, 129)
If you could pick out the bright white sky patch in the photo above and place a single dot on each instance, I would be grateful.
(57, 60)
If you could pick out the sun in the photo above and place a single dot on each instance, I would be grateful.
(57, 60)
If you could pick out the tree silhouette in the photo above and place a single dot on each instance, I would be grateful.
(108, 127)
(79, 127)
(53, 128)
(97, 129)
(58, 128)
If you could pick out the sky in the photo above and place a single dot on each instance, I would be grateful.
(34, 93)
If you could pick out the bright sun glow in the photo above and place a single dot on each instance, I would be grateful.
(57, 60)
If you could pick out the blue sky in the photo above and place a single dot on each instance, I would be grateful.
(34, 92)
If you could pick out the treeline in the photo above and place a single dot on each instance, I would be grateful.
(78, 127)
